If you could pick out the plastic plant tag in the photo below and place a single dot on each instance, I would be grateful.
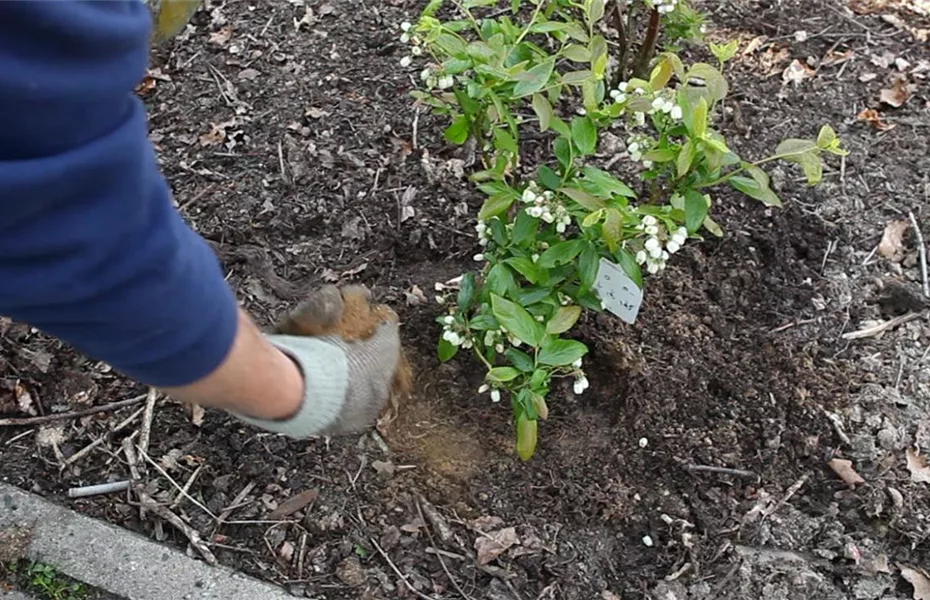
(619, 294)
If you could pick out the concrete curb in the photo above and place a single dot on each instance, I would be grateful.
(120, 561)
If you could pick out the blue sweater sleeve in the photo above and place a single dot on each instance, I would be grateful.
(92, 250)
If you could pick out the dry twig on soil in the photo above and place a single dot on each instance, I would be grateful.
(17, 422)
(100, 488)
(439, 556)
(146, 429)
(921, 251)
(721, 470)
(193, 536)
(397, 572)
(86, 449)
(881, 327)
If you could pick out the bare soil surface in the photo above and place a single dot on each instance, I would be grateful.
(697, 465)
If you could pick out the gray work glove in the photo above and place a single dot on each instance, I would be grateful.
(347, 384)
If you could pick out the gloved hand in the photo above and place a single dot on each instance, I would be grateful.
(347, 381)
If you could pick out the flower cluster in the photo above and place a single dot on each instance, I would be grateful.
(409, 38)
(495, 393)
(581, 381)
(543, 206)
(454, 337)
(665, 6)
(637, 145)
(484, 233)
(667, 105)
(653, 254)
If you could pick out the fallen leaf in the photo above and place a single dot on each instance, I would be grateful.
(797, 72)
(486, 523)
(415, 297)
(843, 468)
(917, 465)
(286, 551)
(293, 504)
(885, 60)
(197, 415)
(24, 399)
(215, 136)
(169, 461)
(249, 74)
(871, 116)
(492, 545)
(754, 44)
(834, 58)
(897, 94)
(891, 246)
(918, 579)
(406, 213)
(867, 77)
(383, 468)
(221, 37)
(50, 436)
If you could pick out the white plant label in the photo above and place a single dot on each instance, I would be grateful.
(620, 294)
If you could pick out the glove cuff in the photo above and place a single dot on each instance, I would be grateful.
(325, 370)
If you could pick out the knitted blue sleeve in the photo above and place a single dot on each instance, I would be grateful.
(92, 250)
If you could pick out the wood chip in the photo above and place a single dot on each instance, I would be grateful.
(843, 468)
(918, 579)
(797, 72)
(917, 465)
(892, 244)
(897, 94)
(293, 504)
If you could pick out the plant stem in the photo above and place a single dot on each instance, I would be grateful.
(529, 25)
(649, 46)
(624, 41)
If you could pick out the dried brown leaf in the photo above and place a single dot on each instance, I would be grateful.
(24, 399)
(897, 94)
(754, 44)
(286, 551)
(835, 57)
(871, 116)
(221, 37)
(843, 468)
(918, 579)
(892, 245)
(917, 465)
(797, 72)
(415, 297)
(492, 545)
(293, 504)
(197, 415)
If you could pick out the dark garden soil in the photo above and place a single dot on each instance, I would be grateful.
(291, 143)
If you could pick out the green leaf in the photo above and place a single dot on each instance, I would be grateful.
(457, 132)
(466, 292)
(699, 125)
(753, 189)
(685, 158)
(500, 280)
(761, 177)
(695, 210)
(711, 226)
(793, 146)
(612, 224)
(548, 178)
(661, 74)
(543, 111)
(724, 52)
(577, 53)
(524, 228)
(482, 323)
(577, 32)
(594, 218)
(480, 51)
(559, 353)
(826, 138)
(604, 185)
(527, 432)
(563, 151)
(520, 360)
(495, 205)
(517, 321)
(502, 374)
(527, 268)
(504, 141)
(659, 155)
(451, 45)
(560, 253)
(594, 11)
(446, 350)
(630, 267)
(584, 134)
(559, 126)
(536, 79)
(583, 198)
(577, 77)
(588, 264)
(716, 84)
(563, 320)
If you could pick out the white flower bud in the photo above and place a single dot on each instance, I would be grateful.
(580, 385)
(676, 113)
(652, 244)
(641, 257)
(652, 230)
(484, 387)
(577, 364)
(404, 38)
(634, 147)
(547, 216)
(658, 103)
(448, 320)
(653, 268)
(499, 348)
(560, 227)
(446, 82)
(495, 395)
(416, 51)
(478, 257)
(623, 86)
(529, 195)
(405, 26)
(405, 61)
(425, 74)
(673, 246)
(440, 300)
(649, 220)
(647, 164)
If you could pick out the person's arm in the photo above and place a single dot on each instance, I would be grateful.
(92, 250)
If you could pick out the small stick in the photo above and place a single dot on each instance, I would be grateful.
(131, 457)
(922, 251)
(788, 494)
(173, 482)
(86, 449)
(17, 422)
(236, 503)
(881, 327)
(187, 487)
(146, 430)
(721, 470)
(416, 125)
(101, 488)
(397, 572)
(192, 534)
(439, 556)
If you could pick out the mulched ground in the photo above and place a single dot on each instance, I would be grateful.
(291, 143)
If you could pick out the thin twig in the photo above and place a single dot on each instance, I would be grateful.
(187, 487)
(881, 327)
(397, 572)
(86, 449)
(146, 429)
(192, 534)
(922, 251)
(164, 474)
(17, 422)
(100, 488)
(788, 494)
(131, 458)
(721, 470)
(416, 125)
(236, 503)
(439, 556)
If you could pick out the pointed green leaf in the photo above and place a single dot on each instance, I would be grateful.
(495, 205)
(537, 78)
(560, 353)
(604, 185)
(520, 360)
(612, 223)
(446, 350)
(583, 198)
(527, 431)
(577, 53)
(695, 210)
(502, 374)
(685, 158)
(577, 77)
(543, 111)
(517, 321)
(584, 134)
(560, 253)
(457, 132)
(699, 124)
(563, 320)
